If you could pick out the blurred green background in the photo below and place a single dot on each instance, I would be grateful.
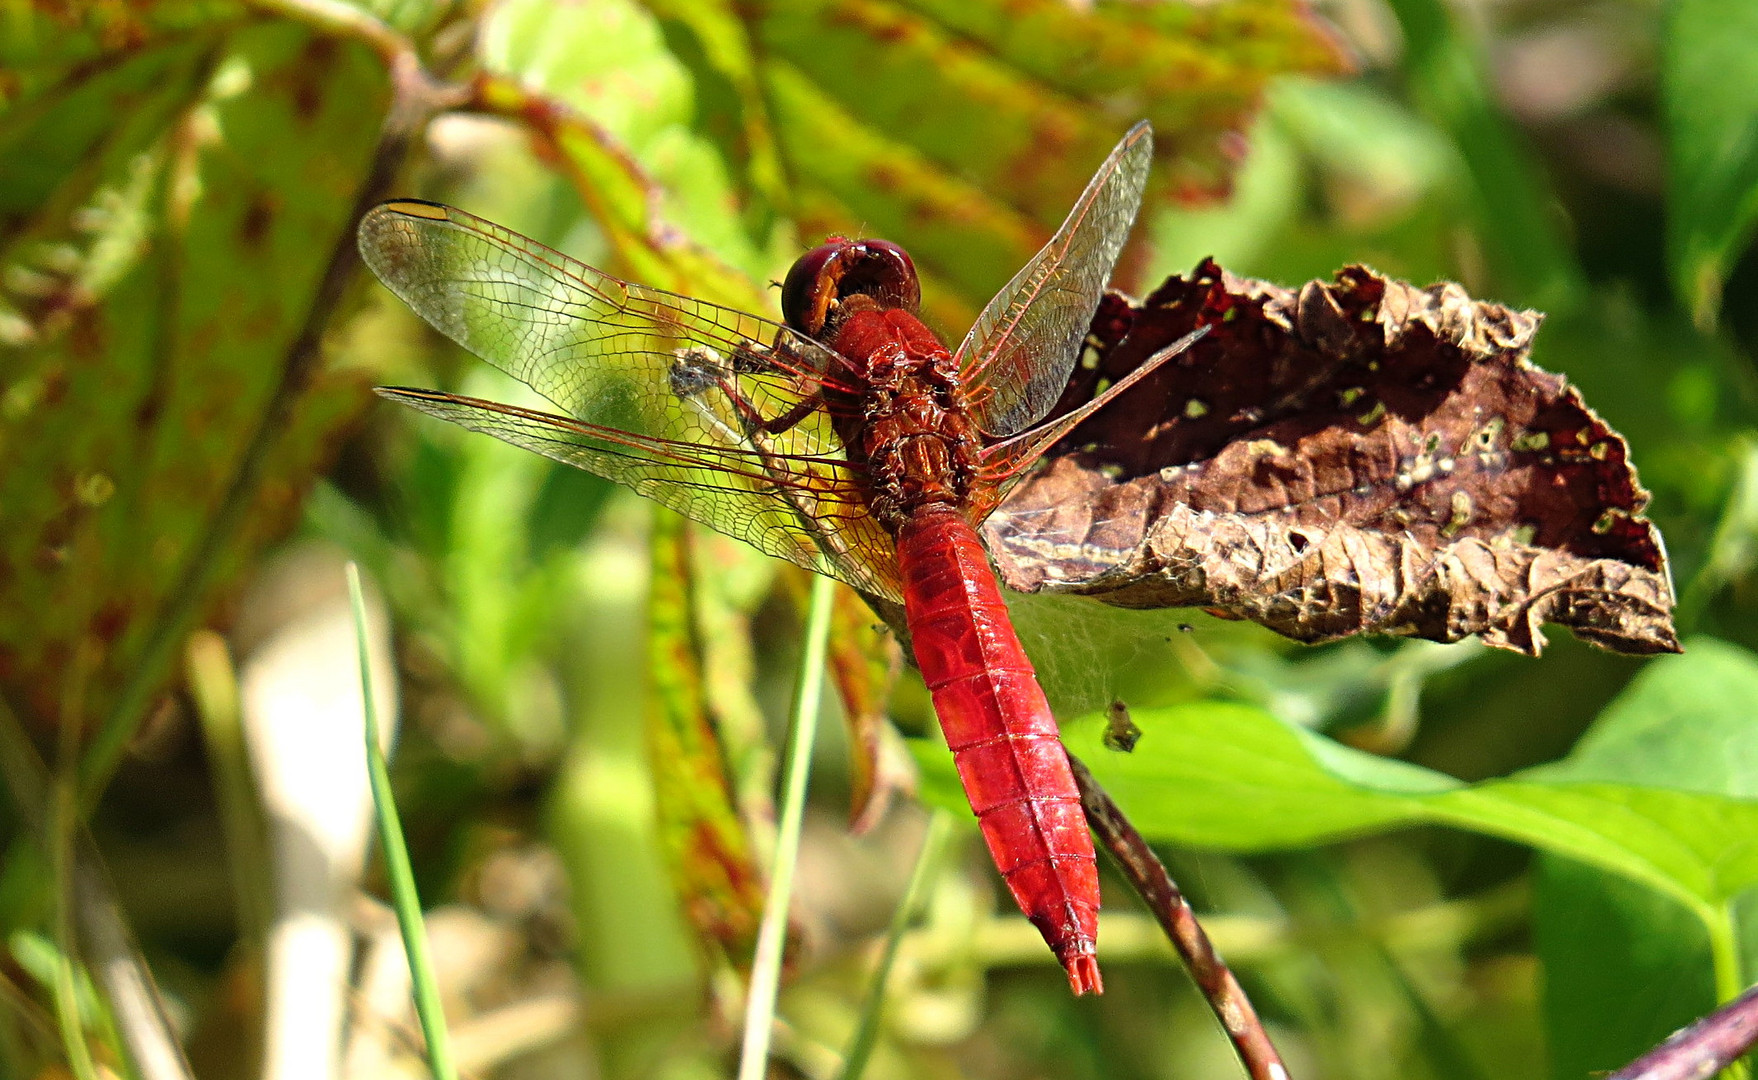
(1423, 860)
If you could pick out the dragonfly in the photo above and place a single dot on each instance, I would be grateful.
(846, 438)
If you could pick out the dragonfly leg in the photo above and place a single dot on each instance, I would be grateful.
(698, 368)
(778, 359)
(806, 407)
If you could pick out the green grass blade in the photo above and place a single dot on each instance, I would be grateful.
(69, 1018)
(854, 1063)
(772, 934)
(402, 878)
(64, 825)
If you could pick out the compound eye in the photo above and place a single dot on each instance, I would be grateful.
(887, 274)
(823, 281)
(892, 273)
(810, 287)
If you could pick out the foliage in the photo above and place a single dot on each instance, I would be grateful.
(186, 350)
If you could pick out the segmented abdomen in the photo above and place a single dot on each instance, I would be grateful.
(1002, 735)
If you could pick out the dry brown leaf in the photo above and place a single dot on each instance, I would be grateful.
(1357, 456)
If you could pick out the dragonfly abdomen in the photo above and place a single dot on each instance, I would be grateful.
(1002, 734)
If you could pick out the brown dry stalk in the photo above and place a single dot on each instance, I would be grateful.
(1155, 886)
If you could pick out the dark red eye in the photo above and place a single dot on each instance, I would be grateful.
(887, 274)
(824, 278)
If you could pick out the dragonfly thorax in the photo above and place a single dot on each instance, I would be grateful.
(909, 426)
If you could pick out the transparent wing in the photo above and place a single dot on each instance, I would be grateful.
(1018, 355)
(663, 393)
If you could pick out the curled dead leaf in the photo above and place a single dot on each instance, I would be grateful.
(1356, 456)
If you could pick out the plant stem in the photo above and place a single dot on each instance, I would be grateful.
(402, 878)
(854, 1063)
(1698, 1051)
(1155, 886)
(772, 934)
(1724, 951)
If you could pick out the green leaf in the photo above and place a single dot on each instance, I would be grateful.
(1684, 723)
(1709, 80)
(658, 190)
(964, 130)
(49, 50)
(1230, 776)
(169, 252)
(1624, 967)
(1656, 811)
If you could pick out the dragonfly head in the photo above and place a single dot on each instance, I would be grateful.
(842, 276)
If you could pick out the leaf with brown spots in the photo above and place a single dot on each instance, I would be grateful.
(708, 846)
(161, 256)
(1357, 456)
(962, 129)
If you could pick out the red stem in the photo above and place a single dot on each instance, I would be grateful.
(1703, 1049)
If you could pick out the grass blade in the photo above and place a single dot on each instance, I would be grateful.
(69, 1018)
(402, 878)
(772, 934)
(854, 1063)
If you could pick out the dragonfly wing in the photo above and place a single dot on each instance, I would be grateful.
(600, 349)
(1018, 355)
(661, 392)
(809, 511)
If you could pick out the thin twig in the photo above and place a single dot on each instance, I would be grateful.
(338, 19)
(1145, 871)
(1703, 1049)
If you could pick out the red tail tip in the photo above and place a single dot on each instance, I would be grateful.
(1083, 974)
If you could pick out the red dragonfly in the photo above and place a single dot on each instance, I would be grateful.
(849, 441)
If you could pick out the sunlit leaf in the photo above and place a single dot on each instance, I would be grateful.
(876, 104)
(858, 116)
(594, 84)
(1230, 776)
